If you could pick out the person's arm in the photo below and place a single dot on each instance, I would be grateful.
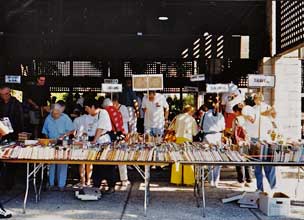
(144, 104)
(33, 104)
(194, 127)
(223, 125)
(166, 114)
(3, 129)
(98, 134)
(166, 108)
(69, 127)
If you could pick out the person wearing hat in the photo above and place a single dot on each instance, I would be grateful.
(229, 100)
(185, 128)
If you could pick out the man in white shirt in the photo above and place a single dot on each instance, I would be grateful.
(156, 111)
(263, 114)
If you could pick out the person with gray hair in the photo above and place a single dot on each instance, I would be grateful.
(56, 126)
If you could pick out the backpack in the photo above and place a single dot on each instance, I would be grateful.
(117, 133)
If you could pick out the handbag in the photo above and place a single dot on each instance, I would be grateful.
(170, 135)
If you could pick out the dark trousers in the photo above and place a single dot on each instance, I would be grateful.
(244, 173)
(103, 172)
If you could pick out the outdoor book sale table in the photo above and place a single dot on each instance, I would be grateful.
(145, 156)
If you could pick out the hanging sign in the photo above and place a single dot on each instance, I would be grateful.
(197, 78)
(191, 89)
(217, 88)
(12, 79)
(107, 87)
(146, 82)
(259, 80)
(111, 81)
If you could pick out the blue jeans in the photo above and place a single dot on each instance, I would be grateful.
(214, 173)
(62, 170)
(270, 175)
(154, 131)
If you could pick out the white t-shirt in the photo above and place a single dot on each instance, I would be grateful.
(185, 126)
(86, 124)
(125, 117)
(104, 122)
(213, 123)
(265, 127)
(154, 115)
(229, 103)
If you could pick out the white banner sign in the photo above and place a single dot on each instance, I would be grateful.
(217, 88)
(257, 80)
(197, 78)
(107, 87)
(191, 89)
(12, 79)
(146, 82)
(110, 81)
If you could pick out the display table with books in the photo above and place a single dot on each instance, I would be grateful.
(147, 155)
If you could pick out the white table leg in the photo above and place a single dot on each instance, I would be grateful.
(27, 186)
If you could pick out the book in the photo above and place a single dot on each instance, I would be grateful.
(253, 206)
(233, 197)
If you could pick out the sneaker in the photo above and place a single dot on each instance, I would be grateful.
(53, 188)
(108, 191)
(5, 213)
(247, 184)
(61, 189)
(239, 185)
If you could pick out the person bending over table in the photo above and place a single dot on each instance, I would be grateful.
(4, 213)
(56, 126)
(213, 125)
(185, 128)
(102, 172)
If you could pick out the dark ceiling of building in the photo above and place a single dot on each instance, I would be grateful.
(125, 28)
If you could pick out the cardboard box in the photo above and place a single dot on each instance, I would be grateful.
(278, 205)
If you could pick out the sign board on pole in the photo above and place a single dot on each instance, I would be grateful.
(12, 79)
(107, 87)
(217, 88)
(197, 78)
(191, 89)
(259, 80)
(110, 81)
(146, 82)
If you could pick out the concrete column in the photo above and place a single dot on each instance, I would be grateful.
(287, 94)
(266, 67)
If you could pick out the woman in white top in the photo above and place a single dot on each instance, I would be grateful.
(185, 128)
(213, 125)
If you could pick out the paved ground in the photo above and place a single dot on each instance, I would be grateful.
(167, 202)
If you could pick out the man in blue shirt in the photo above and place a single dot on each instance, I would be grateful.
(56, 126)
